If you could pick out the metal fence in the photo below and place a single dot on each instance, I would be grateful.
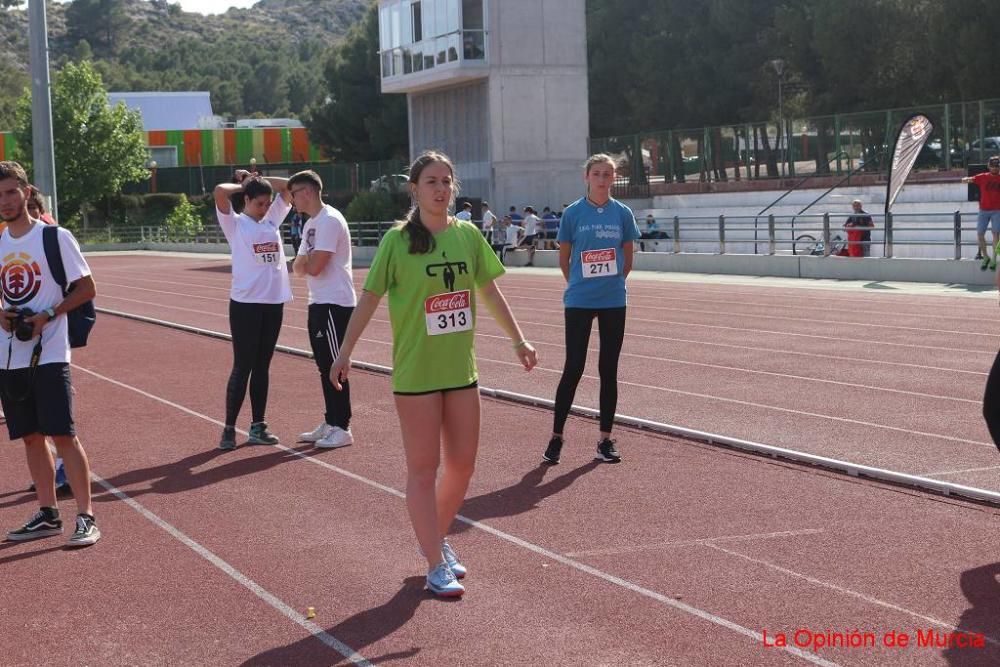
(338, 178)
(905, 235)
(964, 133)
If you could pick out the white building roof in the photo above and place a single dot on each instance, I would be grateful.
(171, 111)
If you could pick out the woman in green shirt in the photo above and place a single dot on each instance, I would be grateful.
(432, 266)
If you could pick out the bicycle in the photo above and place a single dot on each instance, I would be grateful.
(806, 244)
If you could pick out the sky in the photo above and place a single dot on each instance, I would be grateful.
(210, 6)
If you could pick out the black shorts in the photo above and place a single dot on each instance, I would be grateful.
(47, 406)
(529, 240)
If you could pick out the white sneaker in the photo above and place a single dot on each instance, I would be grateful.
(317, 434)
(338, 437)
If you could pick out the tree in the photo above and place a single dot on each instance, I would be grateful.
(183, 222)
(13, 81)
(98, 148)
(357, 122)
(101, 22)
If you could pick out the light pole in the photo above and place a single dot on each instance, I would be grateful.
(43, 152)
(779, 68)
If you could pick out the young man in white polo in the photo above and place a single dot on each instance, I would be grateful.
(35, 386)
(324, 259)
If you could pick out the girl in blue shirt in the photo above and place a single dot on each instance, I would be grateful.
(595, 238)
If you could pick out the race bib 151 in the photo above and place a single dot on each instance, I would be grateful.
(267, 253)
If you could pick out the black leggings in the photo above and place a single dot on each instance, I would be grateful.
(991, 401)
(611, 325)
(255, 328)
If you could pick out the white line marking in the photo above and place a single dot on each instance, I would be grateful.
(245, 581)
(845, 591)
(613, 551)
(507, 537)
(542, 369)
(956, 472)
(485, 316)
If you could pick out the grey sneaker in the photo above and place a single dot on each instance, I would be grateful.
(451, 558)
(86, 532)
(259, 435)
(228, 440)
(45, 523)
(441, 581)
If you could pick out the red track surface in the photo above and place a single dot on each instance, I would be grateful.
(670, 558)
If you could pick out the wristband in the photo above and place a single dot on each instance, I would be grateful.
(519, 344)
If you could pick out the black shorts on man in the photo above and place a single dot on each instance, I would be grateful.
(39, 401)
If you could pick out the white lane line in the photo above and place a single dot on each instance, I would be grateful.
(764, 406)
(507, 537)
(487, 317)
(284, 609)
(846, 591)
(614, 551)
(957, 472)
(807, 320)
(644, 357)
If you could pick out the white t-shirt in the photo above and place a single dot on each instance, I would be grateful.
(260, 270)
(512, 234)
(488, 220)
(531, 224)
(464, 215)
(28, 283)
(328, 231)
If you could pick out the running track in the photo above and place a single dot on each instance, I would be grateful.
(683, 554)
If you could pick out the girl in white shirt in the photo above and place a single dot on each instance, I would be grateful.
(259, 291)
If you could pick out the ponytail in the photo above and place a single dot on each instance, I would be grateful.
(421, 239)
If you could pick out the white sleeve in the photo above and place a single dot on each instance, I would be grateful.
(328, 234)
(73, 262)
(278, 211)
(227, 221)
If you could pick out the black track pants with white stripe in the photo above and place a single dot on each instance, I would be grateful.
(327, 324)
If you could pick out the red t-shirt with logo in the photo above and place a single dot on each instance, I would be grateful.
(989, 191)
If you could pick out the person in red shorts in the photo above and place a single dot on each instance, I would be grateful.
(859, 228)
(989, 209)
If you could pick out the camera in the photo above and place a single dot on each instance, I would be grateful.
(23, 330)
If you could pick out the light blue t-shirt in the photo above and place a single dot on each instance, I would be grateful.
(597, 233)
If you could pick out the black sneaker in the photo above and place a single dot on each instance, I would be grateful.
(606, 452)
(45, 523)
(228, 440)
(86, 532)
(552, 452)
(259, 435)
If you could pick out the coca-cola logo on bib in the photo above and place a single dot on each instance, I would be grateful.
(270, 246)
(607, 255)
(443, 302)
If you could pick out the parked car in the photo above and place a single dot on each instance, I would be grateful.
(391, 183)
(991, 146)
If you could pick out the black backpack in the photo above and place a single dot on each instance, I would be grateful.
(81, 319)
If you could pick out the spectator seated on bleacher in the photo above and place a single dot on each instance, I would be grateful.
(650, 233)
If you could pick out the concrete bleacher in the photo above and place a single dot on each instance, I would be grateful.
(921, 211)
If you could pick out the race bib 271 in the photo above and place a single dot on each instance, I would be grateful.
(599, 263)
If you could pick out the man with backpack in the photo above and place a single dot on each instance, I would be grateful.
(43, 278)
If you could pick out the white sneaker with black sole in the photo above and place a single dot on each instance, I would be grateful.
(338, 437)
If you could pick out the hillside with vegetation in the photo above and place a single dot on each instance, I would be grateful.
(267, 60)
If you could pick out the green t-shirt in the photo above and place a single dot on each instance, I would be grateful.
(432, 305)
